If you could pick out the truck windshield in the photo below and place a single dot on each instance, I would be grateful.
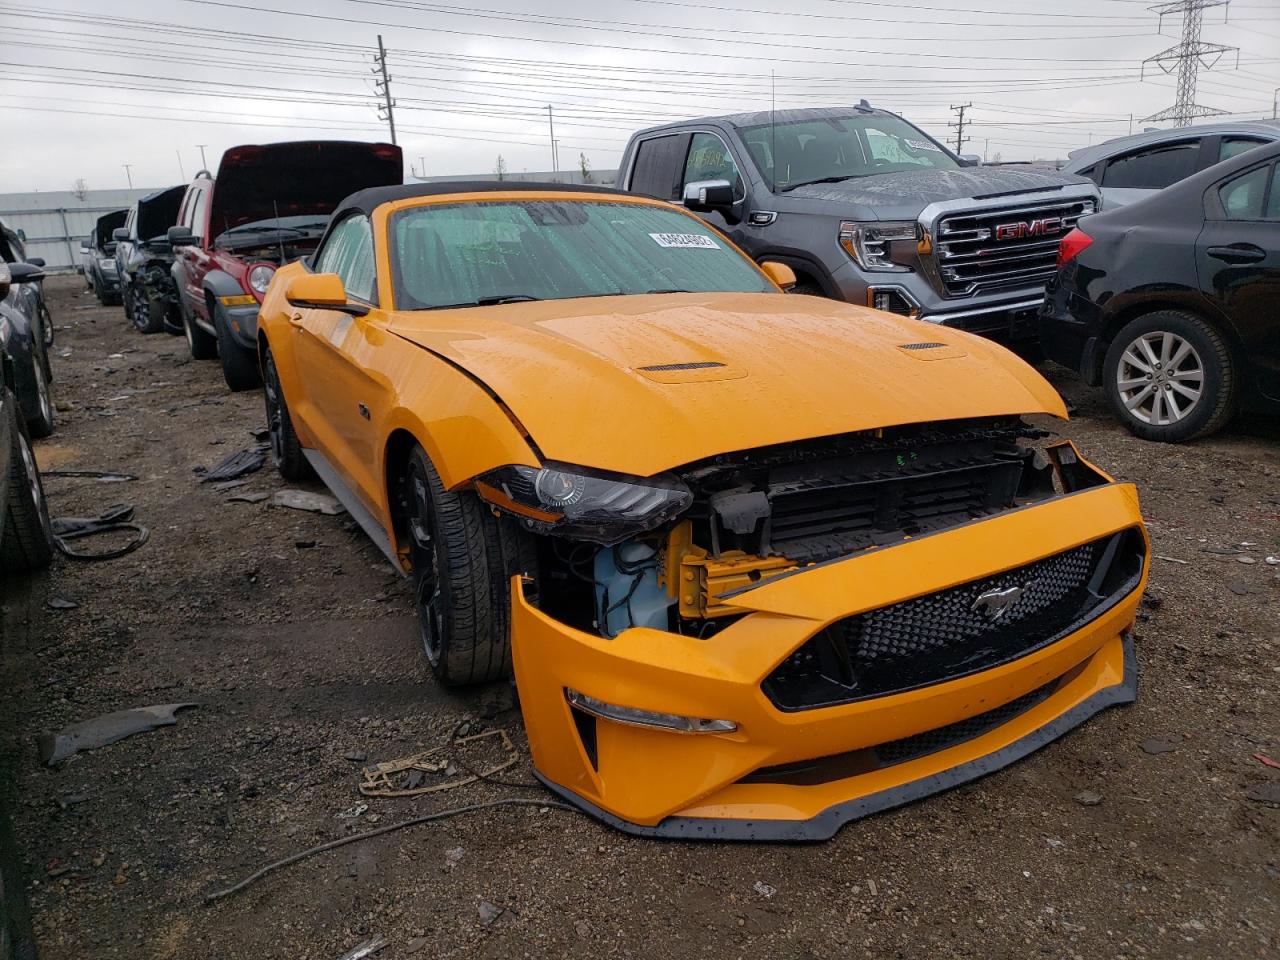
(479, 254)
(832, 149)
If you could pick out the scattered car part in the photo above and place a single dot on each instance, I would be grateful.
(269, 206)
(366, 948)
(104, 476)
(1170, 307)
(306, 500)
(238, 464)
(112, 520)
(106, 729)
(406, 777)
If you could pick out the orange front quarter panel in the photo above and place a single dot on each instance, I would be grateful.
(647, 778)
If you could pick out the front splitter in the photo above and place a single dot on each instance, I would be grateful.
(825, 825)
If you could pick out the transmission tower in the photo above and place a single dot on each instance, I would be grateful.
(1187, 58)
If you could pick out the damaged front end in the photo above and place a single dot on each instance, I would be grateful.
(768, 643)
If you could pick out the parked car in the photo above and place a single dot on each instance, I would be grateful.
(24, 520)
(17, 248)
(99, 258)
(144, 258)
(1133, 167)
(815, 539)
(866, 207)
(27, 319)
(1172, 303)
(268, 207)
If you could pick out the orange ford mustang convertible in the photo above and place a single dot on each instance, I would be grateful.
(762, 564)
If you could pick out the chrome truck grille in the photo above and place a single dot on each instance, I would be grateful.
(982, 251)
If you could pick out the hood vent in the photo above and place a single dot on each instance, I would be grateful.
(673, 367)
(920, 346)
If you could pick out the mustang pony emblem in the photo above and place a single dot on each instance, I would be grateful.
(994, 604)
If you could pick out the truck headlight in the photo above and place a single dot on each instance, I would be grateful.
(868, 243)
(108, 265)
(584, 504)
(260, 275)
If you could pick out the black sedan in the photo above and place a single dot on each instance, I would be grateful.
(1172, 304)
(23, 310)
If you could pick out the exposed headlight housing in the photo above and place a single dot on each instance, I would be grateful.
(260, 275)
(584, 504)
(647, 718)
(868, 243)
(106, 265)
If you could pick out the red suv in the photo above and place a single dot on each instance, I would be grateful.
(269, 205)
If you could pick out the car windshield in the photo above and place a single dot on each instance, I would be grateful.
(840, 148)
(475, 254)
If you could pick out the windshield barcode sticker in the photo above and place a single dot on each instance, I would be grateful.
(922, 145)
(688, 241)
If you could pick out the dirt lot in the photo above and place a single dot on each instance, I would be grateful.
(296, 639)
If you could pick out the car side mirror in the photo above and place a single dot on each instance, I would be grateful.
(180, 236)
(38, 261)
(970, 160)
(120, 233)
(779, 273)
(5, 279)
(26, 272)
(322, 291)
(702, 196)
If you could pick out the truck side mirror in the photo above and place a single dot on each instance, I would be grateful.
(120, 233)
(703, 196)
(180, 236)
(970, 160)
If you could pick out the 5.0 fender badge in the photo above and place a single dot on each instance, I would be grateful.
(994, 604)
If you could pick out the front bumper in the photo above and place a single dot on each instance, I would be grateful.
(242, 321)
(656, 782)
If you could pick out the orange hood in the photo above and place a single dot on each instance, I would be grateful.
(642, 384)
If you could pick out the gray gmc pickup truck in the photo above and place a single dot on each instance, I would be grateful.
(866, 207)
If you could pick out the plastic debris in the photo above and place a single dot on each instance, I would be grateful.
(238, 464)
(104, 730)
(1087, 798)
(112, 520)
(306, 500)
(765, 890)
(408, 777)
(1159, 745)
(364, 949)
(1172, 560)
(248, 498)
(488, 912)
(58, 603)
(1267, 761)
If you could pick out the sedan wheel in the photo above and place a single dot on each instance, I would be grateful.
(1170, 377)
(1161, 378)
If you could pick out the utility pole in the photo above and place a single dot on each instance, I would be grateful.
(1275, 101)
(423, 161)
(128, 173)
(385, 111)
(182, 174)
(203, 165)
(961, 139)
(555, 167)
(1187, 57)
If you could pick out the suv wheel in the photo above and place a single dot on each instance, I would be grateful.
(1170, 377)
(26, 541)
(239, 366)
(143, 317)
(203, 346)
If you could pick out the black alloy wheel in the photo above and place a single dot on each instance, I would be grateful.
(286, 450)
(141, 313)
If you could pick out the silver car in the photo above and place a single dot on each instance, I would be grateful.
(1130, 168)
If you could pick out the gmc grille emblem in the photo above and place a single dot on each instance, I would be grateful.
(1044, 227)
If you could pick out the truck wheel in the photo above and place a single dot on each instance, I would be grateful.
(202, 345)
(143, 317)
(26, 541)
(286, 450)
(239, 366)
(1170, 377)
(463, 560)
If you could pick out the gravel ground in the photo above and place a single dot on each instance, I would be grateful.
(296, 639)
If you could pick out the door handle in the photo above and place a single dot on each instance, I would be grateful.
(1237, 253)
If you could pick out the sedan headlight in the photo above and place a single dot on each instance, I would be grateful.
(584, 504)
(260, 275)
(868, 243)
(108, 265)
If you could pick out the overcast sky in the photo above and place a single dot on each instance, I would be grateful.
(90, 87)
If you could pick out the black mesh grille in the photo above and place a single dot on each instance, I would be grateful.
(696, 365)
(971, 627)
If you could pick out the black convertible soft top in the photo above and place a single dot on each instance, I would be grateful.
(366, 200)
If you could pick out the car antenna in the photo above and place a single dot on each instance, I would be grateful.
(279, 235)
(773, 128)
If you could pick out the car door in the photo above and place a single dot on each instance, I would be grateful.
(194, 259)
(1238, 261)
(710, 158)
(1140, 173)
(344, 397)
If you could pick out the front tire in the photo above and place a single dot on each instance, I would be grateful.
(141, 313)
(202, 345)
(239, 366)
(1170, 377)
(463, 560)
(26, 543)
(286, 450)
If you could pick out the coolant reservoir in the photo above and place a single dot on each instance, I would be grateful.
(627, 590)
